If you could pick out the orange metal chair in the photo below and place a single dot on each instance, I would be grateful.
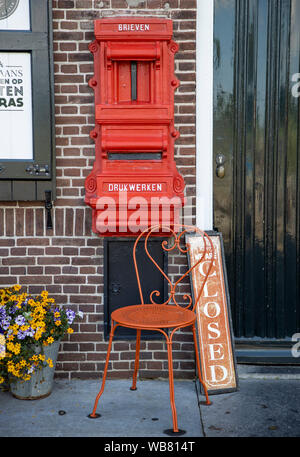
(165, 318)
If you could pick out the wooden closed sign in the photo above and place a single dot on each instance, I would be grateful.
(213, 323)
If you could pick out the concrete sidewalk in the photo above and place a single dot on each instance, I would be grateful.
(266, 405)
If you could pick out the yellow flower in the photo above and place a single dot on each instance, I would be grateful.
(2, 380)
(41, 324)
(50, 362)
(57, 323)
(70, 330)
(50, 340)
(15, 329)
(41, 357)
(34, 357)
(56, 314)
(17, 287)
(24, 328)
(17, 348)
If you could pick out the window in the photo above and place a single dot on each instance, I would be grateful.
(26, 100)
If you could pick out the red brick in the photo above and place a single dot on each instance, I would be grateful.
(65, 279)
(1, 222)
(34, 279)
(57, 260)
(18, 261)
(33, 242)
(7, 280)
(67, 47)
(9, 221)
(7, 242)
(65, 4)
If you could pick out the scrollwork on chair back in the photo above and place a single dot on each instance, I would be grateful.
(177, 238)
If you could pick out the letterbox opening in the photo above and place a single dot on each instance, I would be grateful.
(134, 156)
(121, 287)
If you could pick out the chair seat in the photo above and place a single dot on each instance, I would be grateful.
(153, 316)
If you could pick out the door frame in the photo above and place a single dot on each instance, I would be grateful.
(204, 114)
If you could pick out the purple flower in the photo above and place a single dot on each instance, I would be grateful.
(70, 316)
(20, 320)
(5, 323)
(21, 335)
(2, 313)
(30, 332)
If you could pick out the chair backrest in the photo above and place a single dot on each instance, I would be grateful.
(178, 234)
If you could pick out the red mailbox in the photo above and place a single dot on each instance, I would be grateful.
(134, 182)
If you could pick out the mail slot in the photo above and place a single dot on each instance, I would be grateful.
(134, 173)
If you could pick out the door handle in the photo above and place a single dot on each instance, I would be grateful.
(220, 161)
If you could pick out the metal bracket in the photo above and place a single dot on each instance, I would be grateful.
(38, 170)
(48, 207)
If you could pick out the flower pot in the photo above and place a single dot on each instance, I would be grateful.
(41, 382)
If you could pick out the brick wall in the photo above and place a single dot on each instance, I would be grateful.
(68, 260)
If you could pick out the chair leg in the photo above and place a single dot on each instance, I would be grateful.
(208, 402)
(171, 387)
(93, 415)
(137, 359)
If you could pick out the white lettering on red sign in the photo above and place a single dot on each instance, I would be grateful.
(152, 187)
(133, 27)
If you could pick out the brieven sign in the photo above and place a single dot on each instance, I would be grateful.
(133, 27)
(213, 323)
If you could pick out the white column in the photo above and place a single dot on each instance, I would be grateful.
(204, 114)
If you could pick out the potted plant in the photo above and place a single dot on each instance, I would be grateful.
(32, 327)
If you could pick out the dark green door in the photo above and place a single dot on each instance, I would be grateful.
(257, 202)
